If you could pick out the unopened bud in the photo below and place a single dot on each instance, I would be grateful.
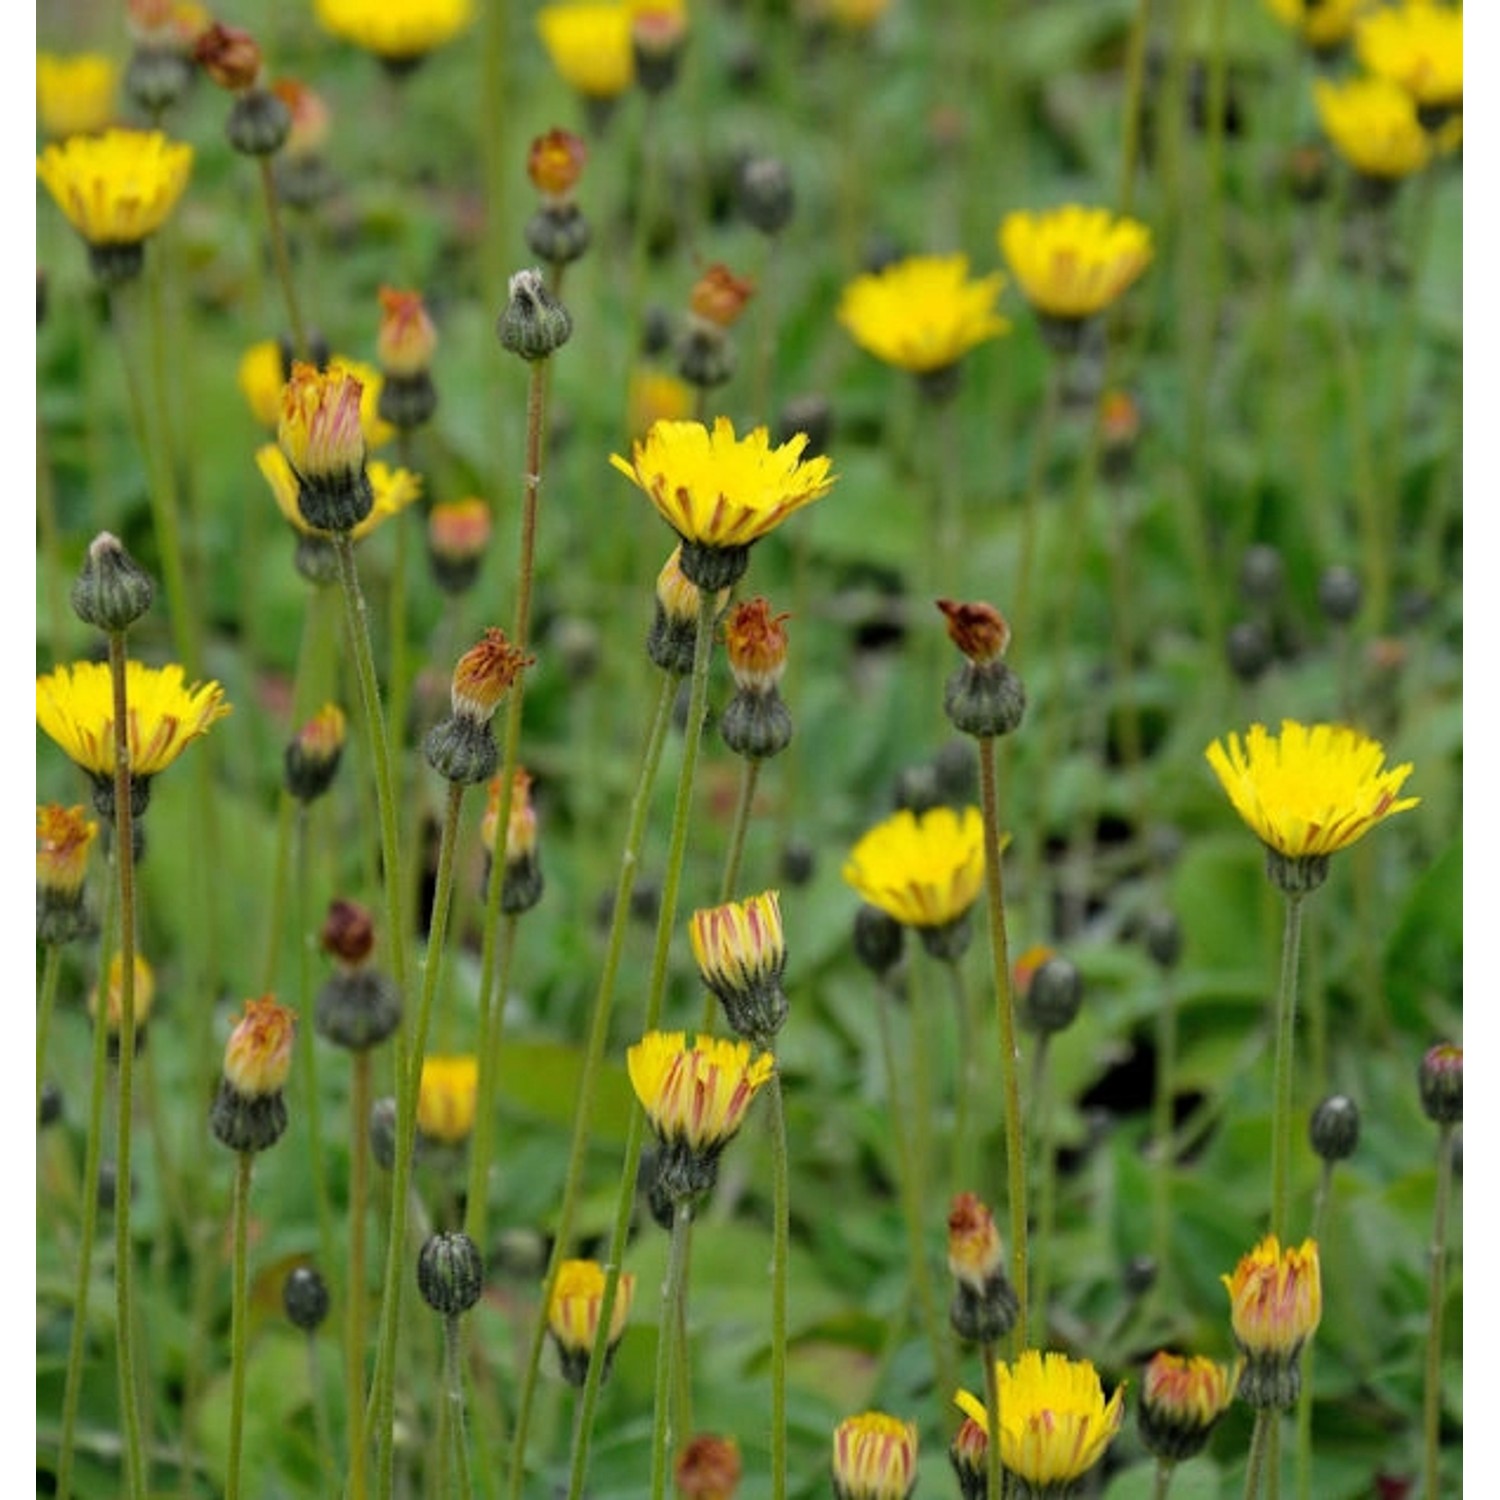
(1334, 1128)
(450, 1273)
(533, 323)
(1441, 1077)
(304, 1295)
(112, 590)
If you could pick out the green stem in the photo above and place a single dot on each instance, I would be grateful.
(671, 1294)
(965, 1141)
(1432, 1387)
(1304, 1395)
(491, 1031)
(592, 1059)
(1163, 1159)
(734, 855)
(1281, 1091)
(1162, 1480)
(1031, 506)
(780, 1255)
(54, 585)
(1010, 1058)
(463, 1484)
(51, 972)
(326, 1463)
(1130, 123)
(281, 258)
(1260, 1443)
(306, 1039)
(1046, 1168)
(239, 1312)
(124, 1253)
(356, 1293)
(996, 1483)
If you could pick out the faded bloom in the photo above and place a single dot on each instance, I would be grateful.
(485, 673)
(1275, 1305)
(1181, 1401)
(75, 95)
(1073, 262)
(448, 1098)
(720, 297)
(755, 641)
(555, 163)
(978, 630)
(229, 55)
(64, 837)
(258, 1055)
(985, 1304)
(922, 314)
(874, 1457)
(709, 1468)
(575, 1309)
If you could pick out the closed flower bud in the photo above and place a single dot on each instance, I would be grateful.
(874, 1458)
(1052, 999)
(533, 323)
(766, 197)
(1275, 1302)
(304, 1295)
(112, 590)
(461, 748)
(709, 1468)
(448, 1099)
(705, 357)
(521, 875)
(1262, 574)
(407, 339)
(1181, 1401)
(719, 296)
(1441, 1078)
(558, 233)
(878, 939)
(450, 1273)
(983, 697)
(1248, 648)
(574, 1311)
(259, 123)
(64, 836)
(985, 1305)
(321, 436)
(969, 1455)
(458, 536)
(555, 163)
(1339, 594)
(249, 1113)
(1334, 1128)
(312, 758)
(674, 628)
(741, 956)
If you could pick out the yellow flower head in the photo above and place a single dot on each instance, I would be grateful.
(720, 493)
(696, 1095)
(119, 187)
(258, 1055)
(1275, 1298)
(1320, 24)
(574, 1311)
(75, 95)
(1419, 46)
(924, 871)
(1072, 262)
(589, 45)
(448, 1098)
(261, 377)
(874, 1457)
(64, 837)
(75, 706)
(394, 490)
(922, 314)
(407, 339)
(319, 428)
(1054, 1421)
(741, 954)
(143, 996)
(396, 31)
(1373, 125)
(1312, 791)
(1181, 1400)
(521, 826)
(975, 1253)
(657, 396)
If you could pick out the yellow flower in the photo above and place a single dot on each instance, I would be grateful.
(1313, 791)
(396, 31)
(1321, 24)
(696, 1096)
(1275, 1297)
(589, 45)
(1181, 1400)
(119, 187)
(261, 377)
(394, 490)
(258, 1055)
(1419, 46)
(64, 837)
(924, 871)
(922, 314)
(975, 1254)
(1054, 1421)
(142, 997)
(874, 1457)
(1373, 125)
(75, 95)
(75, 706)
(448, 1098)
(574, 1310)
(1072, 262)
(656, 396)
(720, 493)
(741, 954)
(377, 431)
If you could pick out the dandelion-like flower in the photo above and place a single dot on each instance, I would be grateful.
(985, 1304)
(741, 955)
(721, 494)
(1275, 1305)
(448, 1098)
(1054, 1421)
(696, 1097)
(75, 95)
(116, 190)
(1308, 793)
(64, 836)
(575, 1309)
(589, 45)
(1181, 1401)
(249, 1113)
(393, 490)
(924, 870)
(399, 32)
(1419, 46)
(322, 439)
(922, 314)
(1322, 25)
(874, 1457)
(1072, 262)
(1373, 125)
(75, 707)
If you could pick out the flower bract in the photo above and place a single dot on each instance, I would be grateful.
(395, 489)
(922, 314)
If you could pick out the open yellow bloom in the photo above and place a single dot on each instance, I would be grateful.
(1054, 1421)
(1312, 791)
(75, 95)
(1373, 125)
(448, 1098)
(589, 45)
(119, 187)
(396, 31)
(922, 314)
(696, 1095)
(1321, 24)
(261, 378)
(720, 493)
(75, 706)
(1072, 262)
(574, 1311)
(1419, 46)
(874, 1457)
(395, 490)
(924, 871)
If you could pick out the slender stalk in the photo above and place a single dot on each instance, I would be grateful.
(1304, 1395)
(1046, 1169)
(51, 972)
(1281, 1090)
(965, 1141)
(356, 1292)
(996, 1485)
(1130, 121)
(135, 1474)
(593, 1056)
(463, 1483)
(312, 1107)
(780, 1254)
(671, 1295)
(54, 585)
(383, 1392)
(239, 1311)
(1432, 1387)
(1163, 1161)
(734, 855)
(1010, 1057)
(1162, 1480)
(326, 1462)
(1031, 506)
(1260, 1442)
(491, 1030)
(281, 258)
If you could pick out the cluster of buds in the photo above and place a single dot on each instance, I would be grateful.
(705, 356)
(358, 1007)
(741, 956)
(404, 346)
(163, 34)
(674, 625)
(521, 876)
(259, 120)
(64, 836)
(574, 1312)
(983, 697)
(462, 747)
(985, 1304)
(757, 724)
(312, 756)
(458, 536)
(303, 176)
(249, 1113)
(558, 231)
(1181, 1403)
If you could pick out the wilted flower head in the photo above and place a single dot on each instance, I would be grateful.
(555, 163)
(229, 55)
(708, 1468)
(720, 297)
(978, 630)
(258, 1055)
(64, 837)
(755, 641)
